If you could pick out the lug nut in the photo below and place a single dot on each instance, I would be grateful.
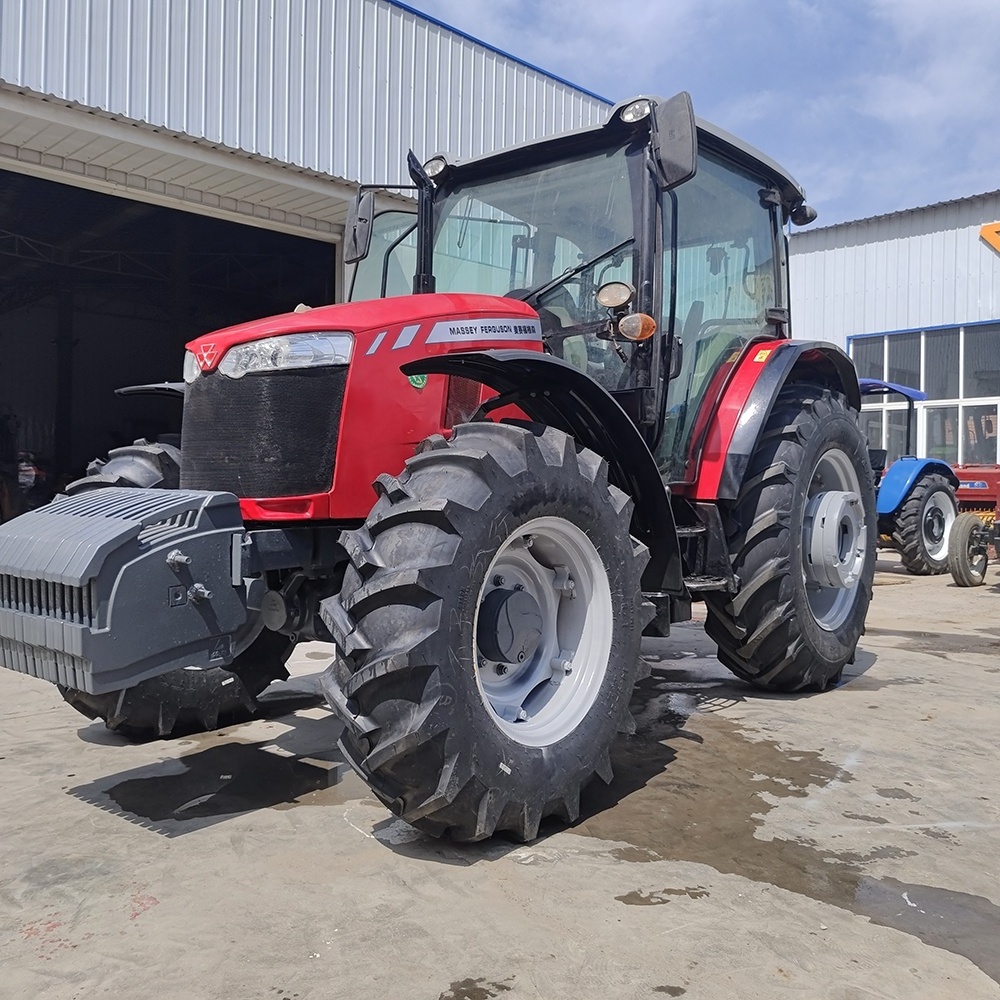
(501, 668)
(498, 580)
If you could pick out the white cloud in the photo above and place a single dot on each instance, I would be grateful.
(875, 105)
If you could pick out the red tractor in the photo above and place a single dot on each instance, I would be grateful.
(587, 415)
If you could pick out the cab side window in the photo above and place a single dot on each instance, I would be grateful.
(727, 279)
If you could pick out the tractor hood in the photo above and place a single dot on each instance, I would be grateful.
(515, 323)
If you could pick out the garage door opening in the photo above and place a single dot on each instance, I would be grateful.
(98, 292)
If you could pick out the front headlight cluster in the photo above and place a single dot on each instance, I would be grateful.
(191, 367)
(293, 350)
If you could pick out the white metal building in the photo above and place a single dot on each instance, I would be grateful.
(172, 167)
(915, 297)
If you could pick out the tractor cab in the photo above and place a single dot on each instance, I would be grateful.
(651, 280)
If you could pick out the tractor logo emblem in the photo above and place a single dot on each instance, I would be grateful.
(206, 355)
(417, 381)
(990, 234)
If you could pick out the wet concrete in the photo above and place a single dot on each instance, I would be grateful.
(839, 846)
(940, 644)
(698, 789)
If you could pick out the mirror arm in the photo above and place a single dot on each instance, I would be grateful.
(423, 278)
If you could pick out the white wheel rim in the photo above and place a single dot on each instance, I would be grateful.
(936, 521)
(542, 700)
(834, 539)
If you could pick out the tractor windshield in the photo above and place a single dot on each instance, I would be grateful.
(550, 234)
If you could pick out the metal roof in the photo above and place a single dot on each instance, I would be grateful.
(903, 211)
(291, 93)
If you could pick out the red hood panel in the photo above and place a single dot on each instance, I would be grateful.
(358, 318)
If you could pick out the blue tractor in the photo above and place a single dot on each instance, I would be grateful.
(915, 498)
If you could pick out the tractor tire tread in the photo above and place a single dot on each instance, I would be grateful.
(758, 634)
(389, 682)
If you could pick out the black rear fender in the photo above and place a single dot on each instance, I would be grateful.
(554, 393)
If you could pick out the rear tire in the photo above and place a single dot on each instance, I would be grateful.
(967, 551)
(781, 631)
(923, 525)
(188, 700)
(481, 543)
(142, 464)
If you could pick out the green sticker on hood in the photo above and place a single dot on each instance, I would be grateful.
(417, 381)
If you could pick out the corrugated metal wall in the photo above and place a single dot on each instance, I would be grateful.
(908, 271)
(343, 87)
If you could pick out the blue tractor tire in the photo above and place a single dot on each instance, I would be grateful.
(921, 526)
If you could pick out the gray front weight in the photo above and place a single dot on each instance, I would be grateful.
(105, 589)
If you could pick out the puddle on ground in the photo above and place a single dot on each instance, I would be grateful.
(691, 790)
(476, 989)
(941, 643)
(896, 793)
(660, 896)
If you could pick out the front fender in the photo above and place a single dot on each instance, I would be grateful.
(554, 393)
(746, 401)
(901, 477)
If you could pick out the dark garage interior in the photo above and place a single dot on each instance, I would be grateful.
(98, 292)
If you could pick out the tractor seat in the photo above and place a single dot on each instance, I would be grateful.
(877, 457)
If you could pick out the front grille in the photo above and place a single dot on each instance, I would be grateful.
(264, 435)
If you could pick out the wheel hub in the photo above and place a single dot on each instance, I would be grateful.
(509, 626)
(543, 631)
(934, 525)
(834, 538)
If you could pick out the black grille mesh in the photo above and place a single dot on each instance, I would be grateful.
(264, 435)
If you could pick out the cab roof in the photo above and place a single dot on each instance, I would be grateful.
(614, 129)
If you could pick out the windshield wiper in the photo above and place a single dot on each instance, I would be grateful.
(534, 293)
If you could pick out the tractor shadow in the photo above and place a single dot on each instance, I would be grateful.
(289, 758)
(285, 758)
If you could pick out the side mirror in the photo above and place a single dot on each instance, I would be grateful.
(358, 232)
(674, 140)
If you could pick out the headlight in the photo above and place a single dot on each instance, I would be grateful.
(294, 350)
(191, 368)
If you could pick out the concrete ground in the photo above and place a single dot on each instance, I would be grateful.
(839, 846)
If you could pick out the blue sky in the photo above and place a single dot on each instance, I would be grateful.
(873, 105)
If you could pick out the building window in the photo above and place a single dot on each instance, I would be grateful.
(982, 361)
(958, 368)
(869, 356)
(904, 359)
(942, 433)
(941, 363)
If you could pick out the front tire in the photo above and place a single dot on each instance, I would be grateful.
(802, 544)
(968, 555)
(923, 524)
(488, 632)
(192, 699)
